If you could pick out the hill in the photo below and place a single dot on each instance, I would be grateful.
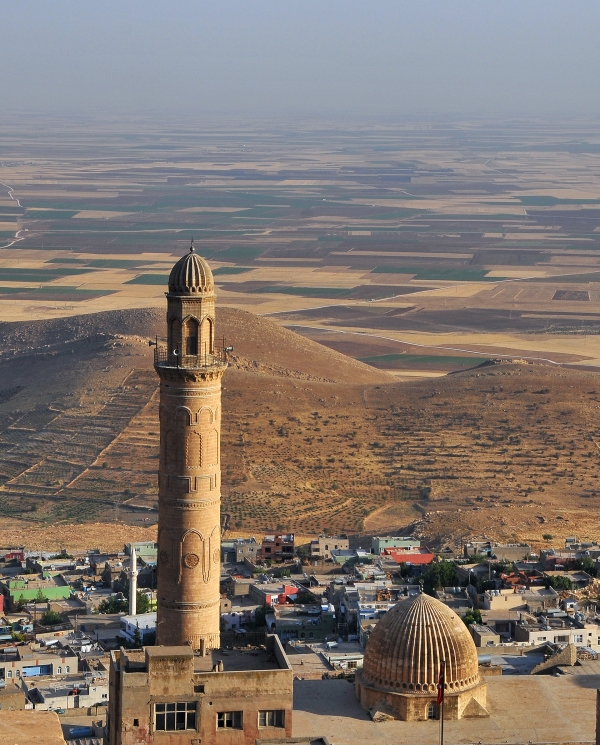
(312, 440)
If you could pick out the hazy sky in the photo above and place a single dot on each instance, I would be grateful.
(312, 57)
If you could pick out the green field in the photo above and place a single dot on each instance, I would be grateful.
(415, 360)
(66, 261)
(459, 275)
(37, 214)
(324, 292)
(231, 270)
(238, 253)
(545, 201)
(56, 292)
(11, 274)
(571, 278)
(118, 263)
(149, 279)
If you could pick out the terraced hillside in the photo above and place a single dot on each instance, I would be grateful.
(312, 439)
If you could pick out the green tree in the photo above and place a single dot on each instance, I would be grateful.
(587, 564)
(472, 616)
(137, 637)
(143, 604)
(113, 605)
(20, 602)
(39, 598)
(260, 617)
(51, 618)
(478, 558)
(559, 583)
(438, 575)
(547, 536)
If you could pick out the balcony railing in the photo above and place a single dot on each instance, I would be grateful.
(164, 358)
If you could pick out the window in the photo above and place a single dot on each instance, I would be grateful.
(230, 720)
(274, 718)
(432, 711)
(67, 669)
(578, 639)
(192, 345)
(561, 639)
(59, 670)
(9, 674)
(172, 717)
(136, 722)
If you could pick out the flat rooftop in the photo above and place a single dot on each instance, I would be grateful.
(234, 660)
(532, 708)
(31, 728)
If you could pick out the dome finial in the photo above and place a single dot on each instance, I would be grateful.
(192, 249)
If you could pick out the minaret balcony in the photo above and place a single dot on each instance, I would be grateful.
(165, 359)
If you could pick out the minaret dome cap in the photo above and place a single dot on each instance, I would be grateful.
(191, 275)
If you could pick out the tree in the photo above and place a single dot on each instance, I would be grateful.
(587, 564)
(478, 559)
(113, 605)
(51, 618)
(143, 604)
(39, 598)
(137, 636)
(547, 536)
(472, 616)
(260, 616)
(439, 575)
(559, 583)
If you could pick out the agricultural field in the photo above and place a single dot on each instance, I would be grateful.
(414, 251)
(407, 233)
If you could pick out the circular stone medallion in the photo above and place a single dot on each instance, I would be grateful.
(191, 560)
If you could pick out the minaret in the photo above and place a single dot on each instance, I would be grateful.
(133, 574)
(189, 478)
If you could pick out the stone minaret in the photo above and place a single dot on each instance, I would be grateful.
(189, 478)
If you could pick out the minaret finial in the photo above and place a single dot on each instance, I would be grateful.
(192, 249)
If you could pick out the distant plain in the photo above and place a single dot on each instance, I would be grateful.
(420, 249)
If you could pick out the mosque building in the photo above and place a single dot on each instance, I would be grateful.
(195, 688)
(404, 658)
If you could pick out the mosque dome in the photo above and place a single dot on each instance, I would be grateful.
(407, 646)
(191, 275)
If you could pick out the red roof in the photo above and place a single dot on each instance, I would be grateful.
(409, 555)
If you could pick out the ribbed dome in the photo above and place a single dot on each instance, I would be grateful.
(407, 646)
(191, 275)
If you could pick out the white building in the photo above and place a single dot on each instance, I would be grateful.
(71, 692)
(145, 622)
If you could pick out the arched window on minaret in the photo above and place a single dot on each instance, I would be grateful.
(175, 336)
(207, 336)
(191, 336)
